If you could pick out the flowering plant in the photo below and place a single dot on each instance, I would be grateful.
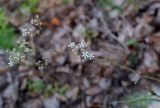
(80, 51)
(19, 53)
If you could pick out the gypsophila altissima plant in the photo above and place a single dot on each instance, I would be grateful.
(24, 47)
(81, 51)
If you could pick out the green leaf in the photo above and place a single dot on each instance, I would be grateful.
(36, 86)
(29, 6)
(90, 34)
(7, 33)
(133, 42)
(110, 4)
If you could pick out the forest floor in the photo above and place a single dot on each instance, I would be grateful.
(124, 35)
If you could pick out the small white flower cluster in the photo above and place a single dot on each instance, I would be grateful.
(34, 29)
(36, 21)
(28, 32)
(80, 50)
(24, 46)
(19, 53)
(87, 55)
(41, 63)
(14, 57)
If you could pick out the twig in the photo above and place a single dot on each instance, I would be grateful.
(142, 76)
(109, 33)
(151, 78)
(105, 101)
(84, 100)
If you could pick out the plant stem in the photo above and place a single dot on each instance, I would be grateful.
(133, 71)
(140, 99)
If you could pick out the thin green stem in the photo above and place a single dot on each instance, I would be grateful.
(140, 99)
(133, 71)
(142, 76)
(151, 78)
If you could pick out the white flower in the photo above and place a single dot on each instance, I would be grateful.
(19, 53)
(71, 45)
(82, 45)
(36, 21)
(11, 64)
(80, 51)
(85, 55)
(28, 32)
(41, 63)
(24, 32)
(91, 56)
